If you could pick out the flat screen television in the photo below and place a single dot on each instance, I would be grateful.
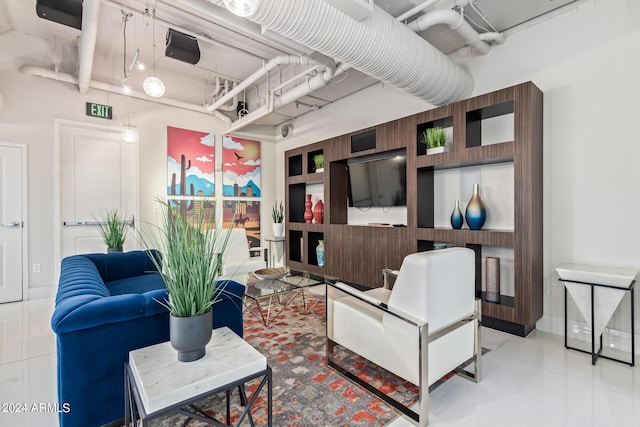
(378, 181)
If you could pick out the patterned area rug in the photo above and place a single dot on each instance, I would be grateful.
(305, 391)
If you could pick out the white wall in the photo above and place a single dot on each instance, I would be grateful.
(31, 105)
(586, 62)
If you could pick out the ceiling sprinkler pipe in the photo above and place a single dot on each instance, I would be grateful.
(33, 70)
(231, 106)
(87, 43)
(258, 74)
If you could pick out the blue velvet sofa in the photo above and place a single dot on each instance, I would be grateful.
(106, 306)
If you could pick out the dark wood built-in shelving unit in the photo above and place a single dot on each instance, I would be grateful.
(358, 254)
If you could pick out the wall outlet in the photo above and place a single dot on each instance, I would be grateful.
(36, 268)
(551, 289)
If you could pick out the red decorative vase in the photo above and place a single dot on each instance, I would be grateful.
(308, 214)
(318, 212)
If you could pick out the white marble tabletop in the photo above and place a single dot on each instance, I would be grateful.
(163, 381)
(597, 274)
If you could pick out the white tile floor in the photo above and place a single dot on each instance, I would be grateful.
(27, 364)
(526, 382)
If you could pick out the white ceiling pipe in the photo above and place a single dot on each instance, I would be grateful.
(108, 87)
(87, 43)
(379, 46)
(231, 106)
(306, 72)
(216, 89)
(414, 11)
(312, 84)
(499, 38)
(456, 23)
(266, 68)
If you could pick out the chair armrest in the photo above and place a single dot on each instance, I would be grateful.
(375, 303)
(386, 272)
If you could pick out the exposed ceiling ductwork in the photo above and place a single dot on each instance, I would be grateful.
(378, 45)
(367, 39)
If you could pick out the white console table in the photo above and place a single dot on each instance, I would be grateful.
(597, 292)
(157, 384)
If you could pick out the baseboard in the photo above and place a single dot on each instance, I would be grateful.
(555, 325)
(42, 292)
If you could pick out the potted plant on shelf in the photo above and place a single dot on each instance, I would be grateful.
(318, 159)
(277, 214)
(113, 230)
(188, 258)
(434, 139)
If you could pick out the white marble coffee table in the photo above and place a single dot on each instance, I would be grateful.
(157, 384)
(597, 292)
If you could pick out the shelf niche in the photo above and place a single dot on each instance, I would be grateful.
(311, 164)
(295, 165)
(490, 125)
(313, 239)
(295, 245)
(446, 123)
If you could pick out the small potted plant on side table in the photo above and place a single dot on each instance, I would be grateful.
(277, 214)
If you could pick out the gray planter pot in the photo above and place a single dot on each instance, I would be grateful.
(190, 335)
(112, 250)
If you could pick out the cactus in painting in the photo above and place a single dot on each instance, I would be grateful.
(182, 205)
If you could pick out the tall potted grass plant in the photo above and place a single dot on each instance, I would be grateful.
(189, 258)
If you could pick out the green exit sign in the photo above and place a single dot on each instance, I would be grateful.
(99, 110)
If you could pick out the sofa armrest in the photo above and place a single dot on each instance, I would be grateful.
(84, 312)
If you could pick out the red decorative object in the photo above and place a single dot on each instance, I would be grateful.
(308, 214)
(318, 212)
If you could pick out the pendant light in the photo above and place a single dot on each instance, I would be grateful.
(152, 85)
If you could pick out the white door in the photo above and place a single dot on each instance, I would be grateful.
(98, 171)
(10, 223)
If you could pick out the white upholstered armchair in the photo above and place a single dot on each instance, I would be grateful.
(422, 329)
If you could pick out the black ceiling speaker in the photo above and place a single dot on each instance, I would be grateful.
(65, 12)
(182, 47)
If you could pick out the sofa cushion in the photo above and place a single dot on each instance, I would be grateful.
(136, 285)
(121, 265)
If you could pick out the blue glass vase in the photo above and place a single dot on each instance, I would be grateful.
(456, 217)
(320, 253)
(475, 214)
